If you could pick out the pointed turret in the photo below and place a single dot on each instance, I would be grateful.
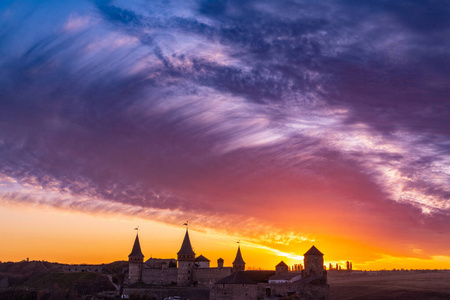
(136, 253)
(186, 252)
(136, 260)
(186, 257)
(238, 263)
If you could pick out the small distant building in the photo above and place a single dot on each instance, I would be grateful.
(287, 277)
(202, 262)
(282, 267)
(220, 263)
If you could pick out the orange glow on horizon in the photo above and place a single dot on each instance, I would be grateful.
(72, 237)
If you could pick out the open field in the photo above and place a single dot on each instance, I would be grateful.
(391, 285)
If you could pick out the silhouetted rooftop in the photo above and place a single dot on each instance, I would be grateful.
(201, 258)
(238, 260)
(136, 252)
(313, 251)
(186, 247)
(236, 278)
(285, 276)
(247, 277)
(259, 276)
(282, 264)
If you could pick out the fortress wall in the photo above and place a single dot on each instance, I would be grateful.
(165, 292)
(234, 291)
(208, 276)
(157, 263)
(302, 290)
(159, 276)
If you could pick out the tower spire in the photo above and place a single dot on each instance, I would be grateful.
(186, 259)
(136, 260)
(186, 247)
(239, 263)
(136, 251)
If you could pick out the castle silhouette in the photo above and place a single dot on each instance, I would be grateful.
(233, 282)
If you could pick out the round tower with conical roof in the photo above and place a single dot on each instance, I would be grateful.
(135, 262)
(186, 259)
(238, 263)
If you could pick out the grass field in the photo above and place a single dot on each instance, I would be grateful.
(391, 285)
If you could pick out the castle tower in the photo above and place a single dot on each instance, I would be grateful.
(186, 258)
(238, 263)
(135, 262)
(282, 267)
(313, 260)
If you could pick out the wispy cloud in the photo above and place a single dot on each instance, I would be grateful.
(76, 22)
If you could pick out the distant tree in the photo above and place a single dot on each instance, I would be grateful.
(172, 264)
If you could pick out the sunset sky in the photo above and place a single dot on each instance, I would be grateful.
(282, 124)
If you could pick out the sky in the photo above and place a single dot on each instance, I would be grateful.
(279, 124)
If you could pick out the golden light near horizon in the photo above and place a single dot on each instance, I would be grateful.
(94, 239)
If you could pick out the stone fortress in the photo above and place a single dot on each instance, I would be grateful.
(196, 279)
